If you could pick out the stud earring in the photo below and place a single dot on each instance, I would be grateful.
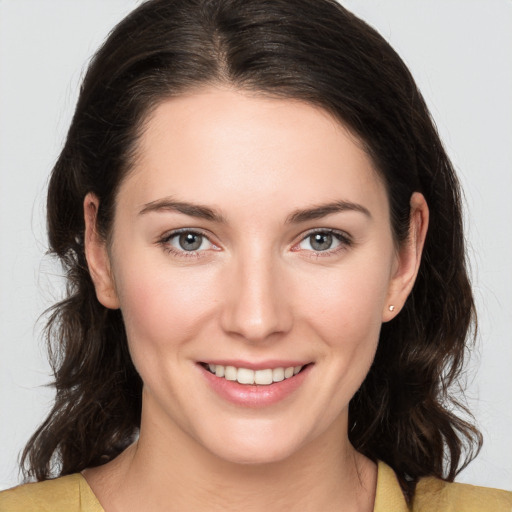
(391, 308)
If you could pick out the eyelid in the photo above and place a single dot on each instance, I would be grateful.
(173, 232)
(164, 241)
(345, 240)
(343, 237)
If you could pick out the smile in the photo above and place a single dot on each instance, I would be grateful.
(255, 385)
(263, 377)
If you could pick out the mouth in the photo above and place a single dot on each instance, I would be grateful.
(255, 385)
(247, 376)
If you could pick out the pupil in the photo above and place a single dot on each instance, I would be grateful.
(321, 241)
(190, 241)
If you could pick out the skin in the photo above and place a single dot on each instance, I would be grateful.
(255, 290)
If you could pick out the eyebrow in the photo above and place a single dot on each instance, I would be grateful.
(190, 209)
(207, 213)
(323, 210)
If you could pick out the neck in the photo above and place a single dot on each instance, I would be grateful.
(170, 471)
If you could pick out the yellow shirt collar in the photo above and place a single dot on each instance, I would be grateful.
(389, 495)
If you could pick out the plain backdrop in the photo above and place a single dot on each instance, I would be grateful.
(460, 52)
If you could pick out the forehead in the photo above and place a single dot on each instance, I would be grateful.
(226, 147)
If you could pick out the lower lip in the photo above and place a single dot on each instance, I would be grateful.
(247, 395)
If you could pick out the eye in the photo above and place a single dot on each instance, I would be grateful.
(189, 241)
(324, 241)
(186, 241)
(320, 241)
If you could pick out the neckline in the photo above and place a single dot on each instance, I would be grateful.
(388, 495)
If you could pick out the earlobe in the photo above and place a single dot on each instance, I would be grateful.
(408, 258)
(97, 257)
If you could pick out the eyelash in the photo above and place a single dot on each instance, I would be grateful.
(166, 239)
(342, 237)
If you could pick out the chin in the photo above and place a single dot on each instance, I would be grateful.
(255, 455)
(258, 445)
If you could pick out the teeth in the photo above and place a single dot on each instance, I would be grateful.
(245, 376)
(278, 374)
(230, 373)
(259, 377)
(263, 377)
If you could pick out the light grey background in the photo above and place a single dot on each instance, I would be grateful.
(460, 52)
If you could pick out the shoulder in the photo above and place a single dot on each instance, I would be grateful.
(435, 495)
(65, 494)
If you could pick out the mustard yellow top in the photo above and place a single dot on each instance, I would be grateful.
(72, 494)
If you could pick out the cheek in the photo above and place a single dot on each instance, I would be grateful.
(344, 315)
(346, 319)
(348, 301)
(162, 309)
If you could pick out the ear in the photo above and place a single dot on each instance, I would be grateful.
(408, 258)
(97, 256)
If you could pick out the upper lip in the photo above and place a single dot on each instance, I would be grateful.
(260, 365)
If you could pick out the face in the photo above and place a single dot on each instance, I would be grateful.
(253, 260)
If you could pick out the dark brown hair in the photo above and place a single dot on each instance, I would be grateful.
(310, 50)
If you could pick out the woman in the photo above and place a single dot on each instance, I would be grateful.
(268, 300)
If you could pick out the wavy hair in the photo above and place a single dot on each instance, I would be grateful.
(405, 413)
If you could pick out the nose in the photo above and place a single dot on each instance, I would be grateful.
(256, 304)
